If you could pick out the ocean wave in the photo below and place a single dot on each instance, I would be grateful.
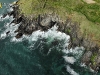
(51, 33)
(71, 71)
(9, 27)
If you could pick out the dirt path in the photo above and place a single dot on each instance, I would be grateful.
(89, 1)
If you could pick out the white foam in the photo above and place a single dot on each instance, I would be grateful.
(77, 51)
(0, 17)
(16, 40)
(5, 18)
(3, 35)
(71, 71)
(10, 8)
(9, 27)
(51, 33)
(82, 65)
(70, 60)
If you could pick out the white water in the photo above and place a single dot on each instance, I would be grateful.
(69, 59)
(9, 27)
(71, 71)
(52, 34)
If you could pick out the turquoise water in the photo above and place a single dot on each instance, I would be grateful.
(42, 53)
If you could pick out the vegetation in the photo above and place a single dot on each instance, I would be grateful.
(87, 15)
(0, 5)
(94, 56)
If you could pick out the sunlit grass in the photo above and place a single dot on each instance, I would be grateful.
(0, 5)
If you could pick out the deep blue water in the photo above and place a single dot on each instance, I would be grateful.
(38, 54)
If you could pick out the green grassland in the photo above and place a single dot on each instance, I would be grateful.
(87, 15)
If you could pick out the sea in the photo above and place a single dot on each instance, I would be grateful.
(42, 53)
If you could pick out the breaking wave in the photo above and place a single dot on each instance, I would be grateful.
(51, 38)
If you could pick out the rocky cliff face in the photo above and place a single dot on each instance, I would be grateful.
(46, 21)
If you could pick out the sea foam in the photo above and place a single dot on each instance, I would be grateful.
(52, 34)
(71, 71)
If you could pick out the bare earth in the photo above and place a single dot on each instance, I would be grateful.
(89, 1)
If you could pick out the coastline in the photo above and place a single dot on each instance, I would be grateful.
(45, 21)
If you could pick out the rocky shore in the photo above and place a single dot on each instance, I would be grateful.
(44, 22)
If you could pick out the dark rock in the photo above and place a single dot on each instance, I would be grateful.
(55, 42)
(29, 29)
(16, 31)
(7, 32)
(19, 20)
(4, 15)
(19, 35)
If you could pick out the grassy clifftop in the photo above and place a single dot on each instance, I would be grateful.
(87, 15)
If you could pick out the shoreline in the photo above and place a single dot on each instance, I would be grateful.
(46, 21)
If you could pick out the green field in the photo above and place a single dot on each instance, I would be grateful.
(87, 15)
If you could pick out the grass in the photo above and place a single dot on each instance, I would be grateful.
(88, 29)
(0, 5)
(61, 7)
(94, 56)
(87, 15)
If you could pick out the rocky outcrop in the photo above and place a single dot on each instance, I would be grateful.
(28, 25)
(92, 50)
(43, 22)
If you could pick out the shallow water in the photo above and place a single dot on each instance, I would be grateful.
(42, 53)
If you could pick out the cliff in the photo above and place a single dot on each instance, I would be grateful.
(78, 19)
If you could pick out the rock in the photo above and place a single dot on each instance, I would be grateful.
(4, 15)
(49, 21)
(7, 32)
(29, 29)
(19, 35)
(19, 20)
(98, 60)
(87, 43)
(46, 21)
(86, 57)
